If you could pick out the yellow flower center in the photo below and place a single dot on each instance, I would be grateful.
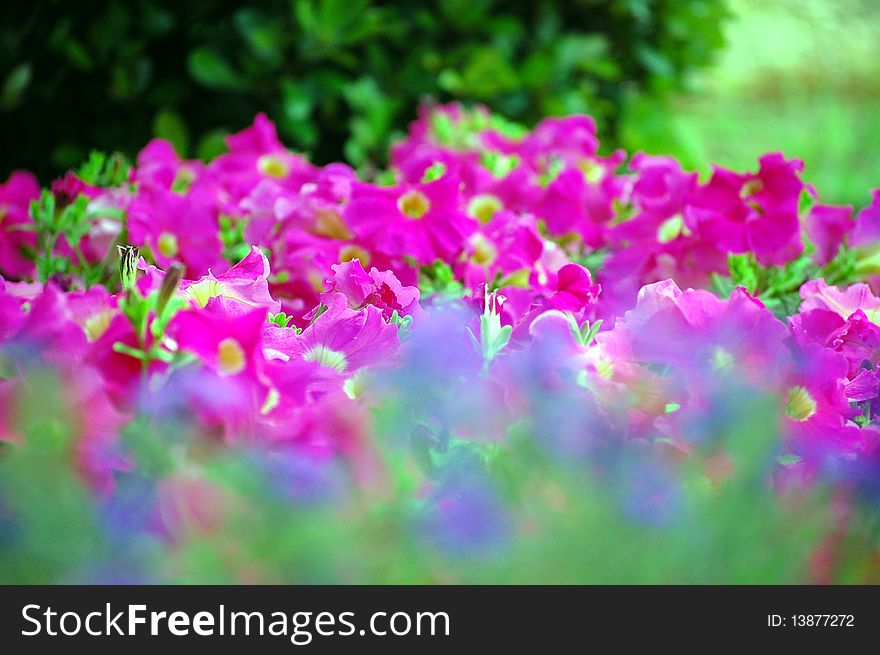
(800, 405)
(273, 166)
(750, 188)
(97, 325)
(328, 223)
(357, 384)
(167, 244)
(202, 291)
(230, 357)
(593, 171)
(484, 206)
(413, 204)
(671, 228)
(326, 357)
(605, 368)
(722, 360)
(351, 251)
(484, 251)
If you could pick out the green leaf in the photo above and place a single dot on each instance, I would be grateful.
(211, 69)
(169, 125)
(280, 319)
(125, 349)
(15, 85)
(264, 35)
(402, 323)
(434, 172)
(589, 331)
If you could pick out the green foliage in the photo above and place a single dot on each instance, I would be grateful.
(778, 287)
(67, 224)
(797, 76)
(439, 280)
(340, 78)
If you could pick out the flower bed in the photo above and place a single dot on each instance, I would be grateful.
(508, 358)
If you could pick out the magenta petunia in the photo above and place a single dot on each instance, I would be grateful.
(702, 333)
(581, 202)
(423, 221)
(827, 226)
(757, 212)
(817, 294)
(856, 337)
(570, 139)
(229, 345)
(346, 340)
(178, 228)
(508, 246)
(16, 233)
(68, 188)
(381, 289)
(817, 410)
(240, 289)
(256, 154)
(867, 227)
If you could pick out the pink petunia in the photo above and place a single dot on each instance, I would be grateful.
(381, 289)
(178, 228)
(817, 294)
(16, 235)
(346, 340)
(256, 154)
(755, 212)
(827, 226)
(422, 221)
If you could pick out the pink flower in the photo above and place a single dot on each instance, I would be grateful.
(229, 345)
(178, 228)
(160, 167)
(240, 289)
(571, 139)
(12, 314)
(256, 154)
(123, 374)
(686, 259)
(381, 289)
(16, 237)
(48, 333)
(827, 227)
(656, 243)
(816, 406)
(817, 294)
(423, 221)
(867, 227)
(755, 212)
(698, 331)
(345, 340)
(855, 337)
(508, 245)
(93, 311)
(68, 188)
(301, 264)
(661, 187)
(574, 203)
(573, 291)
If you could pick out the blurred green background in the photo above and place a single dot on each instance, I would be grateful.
(800, 76)
(710, 81)
(339, 77)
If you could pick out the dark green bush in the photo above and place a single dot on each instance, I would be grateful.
(338, 76)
